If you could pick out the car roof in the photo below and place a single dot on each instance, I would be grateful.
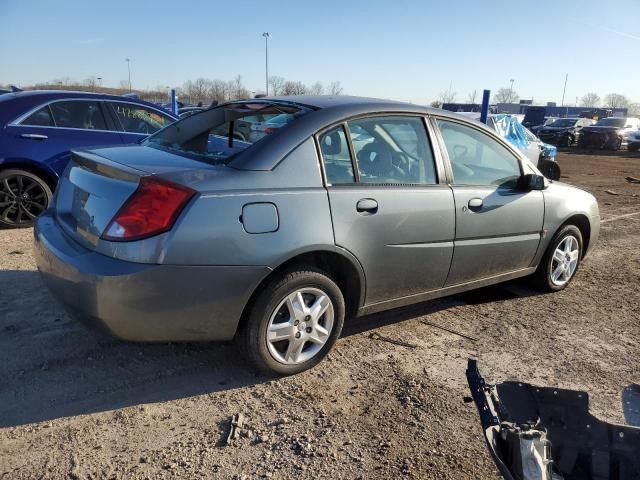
(327, 110)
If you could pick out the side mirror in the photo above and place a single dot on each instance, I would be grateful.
(533, 181)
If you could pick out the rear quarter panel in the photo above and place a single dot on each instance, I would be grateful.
(212, 233)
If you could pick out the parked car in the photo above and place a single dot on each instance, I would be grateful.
(633, 141)
(564, 132)
(195, 236)
(258, 130)
(186, 111)
(39, 128)
(541, 154)
(609, 133)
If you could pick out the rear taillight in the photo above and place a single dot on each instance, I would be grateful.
(152, 209)
(268, 131)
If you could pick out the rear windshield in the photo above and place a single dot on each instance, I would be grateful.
(611, 122)
(218, 134)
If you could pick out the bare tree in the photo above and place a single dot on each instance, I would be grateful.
(634, 109)
(197, 91)
(590, 99)
(447, 96)
(239, 91)
(436, 104)
(335, 88)
(505, 95)
(124, 85)
(276, 83)
(90, 83)
(218, 91)
(616, 100)
(316, 89)
(471, 98)
(294, 88)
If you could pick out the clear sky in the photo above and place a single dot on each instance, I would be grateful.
(406, 50)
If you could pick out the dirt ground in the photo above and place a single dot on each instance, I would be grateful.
(77, 405)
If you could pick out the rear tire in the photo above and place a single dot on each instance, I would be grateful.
(561, 260)
(23, 196)
(294, 322)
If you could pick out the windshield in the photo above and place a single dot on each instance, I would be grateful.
(218, 134)
(564, 123)
(611, 122)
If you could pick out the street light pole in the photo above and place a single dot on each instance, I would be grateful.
(511, 91)
(266, 36)
(128, 60)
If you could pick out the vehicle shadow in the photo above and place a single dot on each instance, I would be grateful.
(52, 366)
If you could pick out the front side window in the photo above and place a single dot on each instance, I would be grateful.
(41, 118)
(476, 158)
(392, 150)
(138, 119)
(78, 114)
(335, 154)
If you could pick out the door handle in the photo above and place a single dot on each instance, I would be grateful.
(367, 206)
(34, 136)
(475, 203)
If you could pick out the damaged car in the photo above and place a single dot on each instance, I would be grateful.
(609, 133)
(564, 132)
(546, 433)
(352, 206)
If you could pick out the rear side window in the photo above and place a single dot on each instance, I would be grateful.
(476, 158)
(392, 150)
(41, 118)
(78, 114)
(337, 160)
(139, 119)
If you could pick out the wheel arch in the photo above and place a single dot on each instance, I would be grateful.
(42, 171)
(581, 221)
(338, 264)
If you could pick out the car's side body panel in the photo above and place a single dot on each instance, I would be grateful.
(406, 246)
(496, 238)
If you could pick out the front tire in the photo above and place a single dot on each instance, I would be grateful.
(561, 260)
(23, 196)
(294, 322)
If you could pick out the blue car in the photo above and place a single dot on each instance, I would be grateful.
(38, 130)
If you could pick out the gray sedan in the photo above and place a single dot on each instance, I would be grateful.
(354, 206)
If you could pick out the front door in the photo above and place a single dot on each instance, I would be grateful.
(387, 205)
(498, 224)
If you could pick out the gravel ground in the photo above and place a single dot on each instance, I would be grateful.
(74, 404)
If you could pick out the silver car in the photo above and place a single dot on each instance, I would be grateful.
(354, 206)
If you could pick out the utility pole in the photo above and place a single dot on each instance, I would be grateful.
(128, 60)
(566, 77)
(511, 91)
(266, 36)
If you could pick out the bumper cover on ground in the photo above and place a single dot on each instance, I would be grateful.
(143, 302)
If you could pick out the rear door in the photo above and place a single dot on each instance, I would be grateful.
(49, 133)
(388, 205)
(498, 225)
(137, 122)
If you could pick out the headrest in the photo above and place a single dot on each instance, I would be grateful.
(375, 159)
(331, 144)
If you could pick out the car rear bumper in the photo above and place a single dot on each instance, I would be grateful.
(143, 302)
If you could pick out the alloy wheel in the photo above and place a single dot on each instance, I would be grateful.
(564, 260)
(300, 326)
(22, 199)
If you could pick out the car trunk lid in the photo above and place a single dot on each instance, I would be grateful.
(97, 183)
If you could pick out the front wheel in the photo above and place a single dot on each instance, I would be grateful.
(561, 260)
(23, 196)
(294, 322)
